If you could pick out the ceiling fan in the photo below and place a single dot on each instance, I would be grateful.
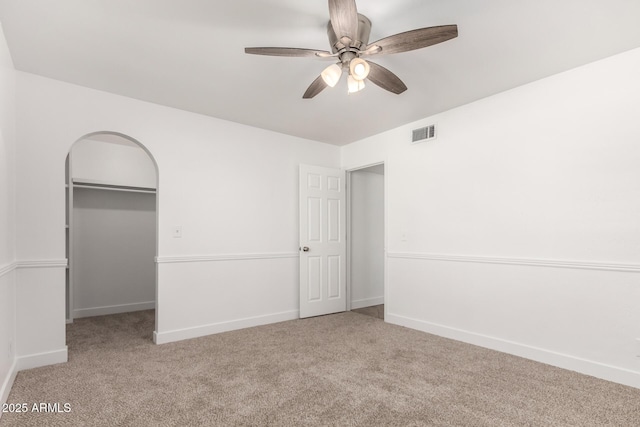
(348, 33)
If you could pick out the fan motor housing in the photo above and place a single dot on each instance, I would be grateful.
(362, 37)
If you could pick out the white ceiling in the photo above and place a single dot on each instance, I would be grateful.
(189, 54)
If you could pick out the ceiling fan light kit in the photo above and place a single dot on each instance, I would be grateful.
(348, 33)
(354, 85)
(359, 68)
(331, 75)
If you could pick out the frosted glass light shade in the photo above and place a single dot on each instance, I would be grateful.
(354, 85)
(331, 75)
(359, 68)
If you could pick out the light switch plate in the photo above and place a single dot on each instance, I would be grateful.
(177, 231)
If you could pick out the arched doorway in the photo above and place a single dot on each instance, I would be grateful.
(112, 217)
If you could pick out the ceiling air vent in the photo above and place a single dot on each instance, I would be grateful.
(424, 134)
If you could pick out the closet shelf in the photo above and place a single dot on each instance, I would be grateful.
(97, 185)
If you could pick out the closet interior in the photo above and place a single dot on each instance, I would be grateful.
(111, 227)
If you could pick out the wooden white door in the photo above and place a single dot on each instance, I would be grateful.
(322, 241)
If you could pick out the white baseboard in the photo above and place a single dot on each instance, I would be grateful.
(367, 302)
(42, 359)
(113, 309)
(565, 361)
(216, 328)
(7, 383)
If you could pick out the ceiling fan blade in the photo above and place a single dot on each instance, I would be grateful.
(344, 18)
(315, 88)
(287, 51)
(385, 78)
(415, 39)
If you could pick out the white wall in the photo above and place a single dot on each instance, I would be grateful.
(367, 238)
(114, 246)
(7, 221)
(521, 220)
(113, 163)
(233, 190)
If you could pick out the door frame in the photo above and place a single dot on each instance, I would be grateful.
(69, 298)
(349, 230)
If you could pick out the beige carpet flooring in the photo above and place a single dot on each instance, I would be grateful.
(376, 311)
(339, 370)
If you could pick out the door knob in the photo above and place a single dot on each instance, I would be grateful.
(305, 249)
